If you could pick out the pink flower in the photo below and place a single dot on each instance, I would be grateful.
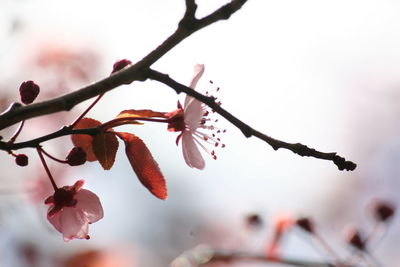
(72, 209)
(191, 120)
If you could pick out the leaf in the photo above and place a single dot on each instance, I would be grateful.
(83, 140)
(144, 113)
(105, 146)
(144, 165)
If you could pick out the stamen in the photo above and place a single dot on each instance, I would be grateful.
(202, 146)
(201, 135)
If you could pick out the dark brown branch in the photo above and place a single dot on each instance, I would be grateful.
(7, 146)
(190, 9)
(187, 26)
(248, 131)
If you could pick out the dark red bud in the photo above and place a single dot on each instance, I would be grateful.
(21, 160)
(76, 157)
(356, 240)
(306, 224)
(120, 64)
(383, 211)
(28, 91)
(253, 220)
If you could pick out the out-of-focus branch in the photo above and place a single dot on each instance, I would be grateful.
(188, 25)
(248, 131)
(203, 255)
(220, 256)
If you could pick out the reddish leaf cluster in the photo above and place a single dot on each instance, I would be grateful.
(103, 148)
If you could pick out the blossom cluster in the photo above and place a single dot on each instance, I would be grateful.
(72, 208)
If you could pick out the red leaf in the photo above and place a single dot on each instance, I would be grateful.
(83, 140)
(144, 165)
(145, 113)
(105, 146)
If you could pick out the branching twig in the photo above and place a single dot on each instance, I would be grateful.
(140, 71)
(248, 131)
(188, 25)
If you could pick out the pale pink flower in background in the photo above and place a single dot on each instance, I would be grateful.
(72, 209)
(191, 120)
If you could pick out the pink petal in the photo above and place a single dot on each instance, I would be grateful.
(90, 204)
(191, 152)
(55, 219)
(198, 72)
(78, 185)
(71, 222)
(49, 200)
(193, 114)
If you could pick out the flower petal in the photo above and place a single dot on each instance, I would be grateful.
(54, 219)
(198, 72)
(191, 152)
(71, 222)
(90, 204)
(193, 114)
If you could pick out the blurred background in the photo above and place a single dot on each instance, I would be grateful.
(323, 73)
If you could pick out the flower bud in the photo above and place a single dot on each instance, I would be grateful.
(383, 211)
(354, 238)
(76, 157)
(306, 224)
(28, 91)
(21, 160)
(254, 220)
(120, 64)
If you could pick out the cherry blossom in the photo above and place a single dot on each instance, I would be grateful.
(72, 209)
(191, 120)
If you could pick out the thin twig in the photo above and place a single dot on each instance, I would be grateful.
(126, 76)
(248, 131)
(37, 141)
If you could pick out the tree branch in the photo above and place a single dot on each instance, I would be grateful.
(248, 131)
(8, 146)
(186, 27)
(219, 256)
(202, 255)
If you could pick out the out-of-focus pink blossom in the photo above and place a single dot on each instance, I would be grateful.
(191, 120)
(72, 209)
